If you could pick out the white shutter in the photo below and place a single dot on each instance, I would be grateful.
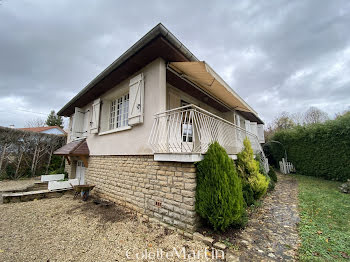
(136, 100)
(247, 125)
(95, 116)
(78, 124)
(261, 135)
(238, 121)
(254, 128)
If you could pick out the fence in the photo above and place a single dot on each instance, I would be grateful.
(286, 167)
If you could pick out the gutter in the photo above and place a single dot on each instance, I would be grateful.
(158, 30)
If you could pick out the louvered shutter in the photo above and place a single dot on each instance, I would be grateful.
(78, 124)
(261, 135)
(247, 125)
(95, 116)
(136, 100)
(238, 121)
(254, 128)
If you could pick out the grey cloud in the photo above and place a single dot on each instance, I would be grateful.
(51, 49)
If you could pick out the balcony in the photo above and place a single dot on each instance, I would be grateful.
(185, 133)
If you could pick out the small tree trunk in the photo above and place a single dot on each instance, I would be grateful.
(18, 164)
(48, 164)
(34, 160)
(3, 153)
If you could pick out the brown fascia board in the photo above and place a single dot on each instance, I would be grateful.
(159, 42)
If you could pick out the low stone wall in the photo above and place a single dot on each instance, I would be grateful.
(163, 190)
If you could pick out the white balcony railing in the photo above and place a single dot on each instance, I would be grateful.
(191, 129)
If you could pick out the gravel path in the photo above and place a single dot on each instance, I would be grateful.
(64, 229)
(271, 234)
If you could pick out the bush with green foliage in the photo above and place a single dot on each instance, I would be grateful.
(219, 198)
(272, 174)
(248, 169)
(320, 150)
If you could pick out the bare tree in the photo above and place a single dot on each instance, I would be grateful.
(35, 122)
(283, 121)
(23, 151)
(315, 115)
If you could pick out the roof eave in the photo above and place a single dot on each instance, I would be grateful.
(158, 30)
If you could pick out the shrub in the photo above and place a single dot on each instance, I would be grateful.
(248, 169)
(271, 185)
(320, 150)
(219, 198)
(259, 184)
(248, 193)
(272, 174)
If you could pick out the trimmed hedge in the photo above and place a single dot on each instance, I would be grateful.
(320, 150)
(219, 198)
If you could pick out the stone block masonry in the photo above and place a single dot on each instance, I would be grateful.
(162, 190)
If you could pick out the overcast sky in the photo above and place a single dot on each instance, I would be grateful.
(278, 55)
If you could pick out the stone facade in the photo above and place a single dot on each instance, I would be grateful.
(162, 190)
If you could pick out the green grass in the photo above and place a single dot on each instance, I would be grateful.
(324, 220)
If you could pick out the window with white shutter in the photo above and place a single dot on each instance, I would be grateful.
(254, 128)
(261, 135)
(95, 116)
(78, 124)
(247, 125)
(238, 121)
(119, 110)
(136, 103)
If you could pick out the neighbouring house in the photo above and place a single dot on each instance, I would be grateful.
(136, 130)
(54, 130)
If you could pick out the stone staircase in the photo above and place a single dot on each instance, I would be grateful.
(34, 192)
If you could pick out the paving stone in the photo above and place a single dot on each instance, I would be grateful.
(271, 234)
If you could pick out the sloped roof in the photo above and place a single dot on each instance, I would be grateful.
(159, 42)
(41, 129)
(74, 148)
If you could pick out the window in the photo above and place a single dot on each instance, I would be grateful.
(187, 127)
(119, 112)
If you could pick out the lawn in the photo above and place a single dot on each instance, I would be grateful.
(324, 220)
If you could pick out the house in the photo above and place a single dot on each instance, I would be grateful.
(136, 130)
(55, 130)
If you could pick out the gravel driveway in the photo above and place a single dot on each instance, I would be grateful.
(64, 229)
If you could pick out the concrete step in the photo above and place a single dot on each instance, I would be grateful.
(31, 195)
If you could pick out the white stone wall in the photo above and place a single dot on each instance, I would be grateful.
(162, 190)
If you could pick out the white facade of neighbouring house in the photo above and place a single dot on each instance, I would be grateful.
(139, 126)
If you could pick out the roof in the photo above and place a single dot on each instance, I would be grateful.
(41, 129)
(74, 148)
(159, 42)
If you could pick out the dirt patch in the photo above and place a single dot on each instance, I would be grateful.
(104, 213)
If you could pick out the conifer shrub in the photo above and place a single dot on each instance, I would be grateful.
(219, 198)
(248, 193)
(272, 174)
(248, 168)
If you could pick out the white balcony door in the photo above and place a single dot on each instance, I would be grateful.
(80, 172)
(186, 130)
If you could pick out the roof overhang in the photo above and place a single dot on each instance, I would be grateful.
(74, 148)
(159, 42)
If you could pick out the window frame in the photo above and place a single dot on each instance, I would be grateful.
(120, 118)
